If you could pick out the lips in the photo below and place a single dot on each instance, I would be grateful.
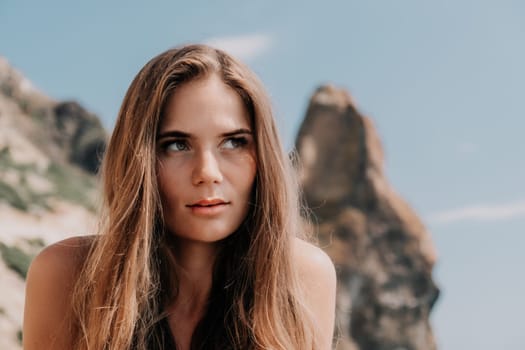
(208, 202)
(209, 208)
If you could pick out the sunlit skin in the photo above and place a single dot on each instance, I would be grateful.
(206, 169)
(206, 161)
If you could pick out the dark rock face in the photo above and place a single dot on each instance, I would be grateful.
(382, 251)
(65, 131)
(81, 133)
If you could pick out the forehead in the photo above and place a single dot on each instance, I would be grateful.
(204, 105)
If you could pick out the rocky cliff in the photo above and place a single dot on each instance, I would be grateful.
(49, 153)
(382, 251)
(63, 132)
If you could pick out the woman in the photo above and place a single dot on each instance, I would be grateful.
(198, 246)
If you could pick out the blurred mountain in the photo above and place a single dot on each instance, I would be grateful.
(382, 252)
(49, 154)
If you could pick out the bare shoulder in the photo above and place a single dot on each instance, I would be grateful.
(50, 280)
(315, 266)
(67, 248)
(318, 278)
(60, 260)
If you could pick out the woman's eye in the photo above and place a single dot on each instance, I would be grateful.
(176, 146)
(234, 142)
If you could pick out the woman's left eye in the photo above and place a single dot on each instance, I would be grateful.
(234, 142)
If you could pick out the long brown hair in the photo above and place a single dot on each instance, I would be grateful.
(255, 300)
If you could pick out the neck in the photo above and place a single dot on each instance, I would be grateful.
(194, 271)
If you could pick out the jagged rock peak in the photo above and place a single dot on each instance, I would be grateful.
(333, 127)
(382, 251)
(330, 95)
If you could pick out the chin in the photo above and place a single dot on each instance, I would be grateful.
(204, 236)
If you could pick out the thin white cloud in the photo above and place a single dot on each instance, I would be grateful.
(482, 212)
(244, 47)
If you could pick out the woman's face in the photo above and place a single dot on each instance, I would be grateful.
(205, 161)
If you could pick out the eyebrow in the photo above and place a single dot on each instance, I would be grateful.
(185, 135)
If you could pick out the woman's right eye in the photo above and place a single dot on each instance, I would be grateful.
(176, 146)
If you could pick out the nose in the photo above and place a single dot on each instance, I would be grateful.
(206, 169)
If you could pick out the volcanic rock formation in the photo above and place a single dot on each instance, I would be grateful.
(382, 252)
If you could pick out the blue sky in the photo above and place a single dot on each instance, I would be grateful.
(443, 82)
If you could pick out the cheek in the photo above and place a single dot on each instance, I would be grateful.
(243, 170)
(168, 182)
